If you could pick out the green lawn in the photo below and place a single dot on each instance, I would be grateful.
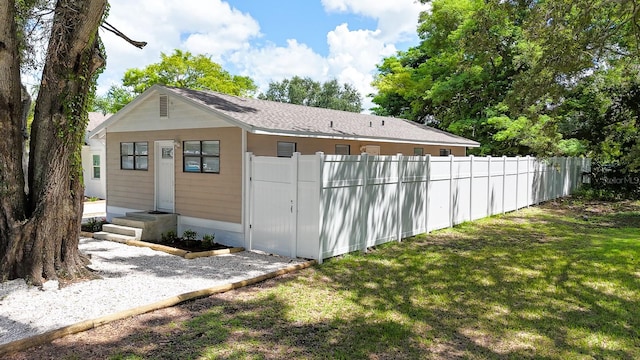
(561, 281)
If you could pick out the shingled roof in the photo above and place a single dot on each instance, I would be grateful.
(271, 117)
(276, 118)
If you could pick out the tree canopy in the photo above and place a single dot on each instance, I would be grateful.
(180, 69)
(305, 91)
(521, 76)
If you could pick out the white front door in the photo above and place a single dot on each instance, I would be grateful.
(165, 175)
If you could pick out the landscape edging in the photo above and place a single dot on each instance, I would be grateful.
(49, 336)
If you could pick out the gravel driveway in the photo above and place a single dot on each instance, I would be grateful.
(131, 277)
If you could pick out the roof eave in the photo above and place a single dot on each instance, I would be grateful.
(263, 131)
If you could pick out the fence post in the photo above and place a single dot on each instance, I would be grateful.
(451, 209)
(321, 205)
(528, 181)
(399, 198)
(427, 171)
(489, 202)
(364, 203)
(471, 157)
(504, 180)
(248, 217)
(517, 181)
(295, 159)
(567, 177)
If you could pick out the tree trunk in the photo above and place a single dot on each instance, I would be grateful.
(39, 231)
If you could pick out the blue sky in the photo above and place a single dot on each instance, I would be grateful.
(307, 21)
(268, 40)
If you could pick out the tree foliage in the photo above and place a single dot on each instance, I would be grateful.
(180, 69)
(305, 91)
(520, 76)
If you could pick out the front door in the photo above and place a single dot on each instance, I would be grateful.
(165, 176)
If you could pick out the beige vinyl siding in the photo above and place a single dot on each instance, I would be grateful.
(266, 145)
(132, 189)
(201, 195)
(212, 196)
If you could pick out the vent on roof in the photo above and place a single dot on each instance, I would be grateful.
(164, 106)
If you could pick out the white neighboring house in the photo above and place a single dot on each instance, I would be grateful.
(93, 159)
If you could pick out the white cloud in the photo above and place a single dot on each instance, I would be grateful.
(216, 29)
(274, 63)
(397, 20)
(209, 27)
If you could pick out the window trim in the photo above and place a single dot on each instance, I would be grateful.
(348, 147)
(94, 166)
(200, 157)
(418, 153)
(445, 152)
(135, 155)
(295, 148)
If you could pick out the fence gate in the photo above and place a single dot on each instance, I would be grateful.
(272, 205)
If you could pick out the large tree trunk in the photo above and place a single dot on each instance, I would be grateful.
(39, 232)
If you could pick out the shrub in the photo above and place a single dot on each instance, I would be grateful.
(207, 240)
(169, 237)
(94, 224)
(189, 235)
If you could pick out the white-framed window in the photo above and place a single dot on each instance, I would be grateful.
(134, 155)
(342, 149)
(445, 152)
(95, 173)
(201, 156)
(418, 151)
(286, 149)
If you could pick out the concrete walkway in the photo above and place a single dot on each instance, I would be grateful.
(93, 209)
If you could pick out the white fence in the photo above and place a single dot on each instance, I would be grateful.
(320, 206)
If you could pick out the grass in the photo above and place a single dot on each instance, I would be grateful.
(561, 281)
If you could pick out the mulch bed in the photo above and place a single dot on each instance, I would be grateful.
(191, 245)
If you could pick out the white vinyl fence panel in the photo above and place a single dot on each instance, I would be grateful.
(320, 206)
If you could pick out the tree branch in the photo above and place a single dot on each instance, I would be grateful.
(139, 44)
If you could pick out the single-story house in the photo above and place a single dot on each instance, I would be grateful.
(183, 151)
(93, 156)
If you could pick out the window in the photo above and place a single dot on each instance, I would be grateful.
(286, 149)
(164, 106)
(343, 149)
(134, 155)
(96, 167)
(201, 156)
(418, 151)
(445, 152)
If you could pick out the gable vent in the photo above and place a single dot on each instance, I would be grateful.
(164, 106)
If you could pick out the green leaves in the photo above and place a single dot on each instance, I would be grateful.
(180, 69)
(305, 91)
(517, 76)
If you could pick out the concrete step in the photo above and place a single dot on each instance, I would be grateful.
(102, 235)
(123, 230)
(151, 225)
(134, 222)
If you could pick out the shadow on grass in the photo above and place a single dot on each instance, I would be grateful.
(534, 284)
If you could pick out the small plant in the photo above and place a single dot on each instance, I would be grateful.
(207, 240)
(169, 237)
(189, 235)
(93, 198)
(94, 224)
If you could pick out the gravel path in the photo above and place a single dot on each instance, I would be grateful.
(131, 277)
